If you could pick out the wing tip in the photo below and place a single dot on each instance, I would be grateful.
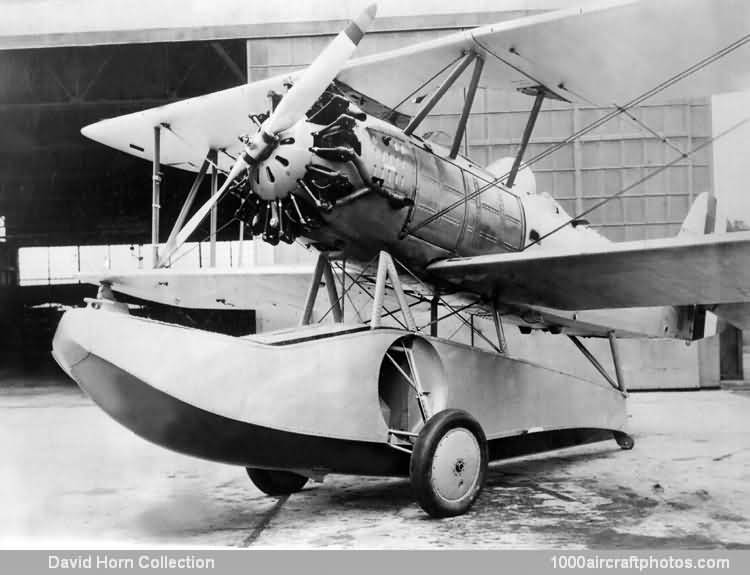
(95, 131)
(87, 131)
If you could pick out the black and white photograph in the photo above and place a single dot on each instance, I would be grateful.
(353, 275)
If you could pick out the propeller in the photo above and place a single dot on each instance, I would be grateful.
(302, 95)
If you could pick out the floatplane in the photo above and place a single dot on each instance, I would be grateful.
(332, 160)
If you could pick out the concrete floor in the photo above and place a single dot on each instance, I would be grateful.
(73, 477)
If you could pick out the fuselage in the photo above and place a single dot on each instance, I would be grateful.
(363, 186)
(354, 185)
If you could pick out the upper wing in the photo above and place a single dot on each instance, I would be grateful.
(675, 271)
(610, 52)
(190, 127)
(605, 53)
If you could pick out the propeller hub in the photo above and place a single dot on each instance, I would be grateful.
(276, 176)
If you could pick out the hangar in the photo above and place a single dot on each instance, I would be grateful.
(68, 205)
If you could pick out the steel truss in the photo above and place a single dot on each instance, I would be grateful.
(387, 278)
(322, 270)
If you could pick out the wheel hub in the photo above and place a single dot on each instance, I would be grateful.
(456, 465)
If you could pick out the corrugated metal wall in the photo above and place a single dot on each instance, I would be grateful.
(598, 165)
(604, 161)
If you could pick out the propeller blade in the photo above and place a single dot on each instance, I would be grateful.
(319, 74)
(290, 110)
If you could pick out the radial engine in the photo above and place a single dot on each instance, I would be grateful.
(327, 160)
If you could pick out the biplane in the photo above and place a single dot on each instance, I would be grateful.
(330, 157)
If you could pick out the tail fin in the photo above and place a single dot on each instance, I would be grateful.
(701, 219)
(707, 217)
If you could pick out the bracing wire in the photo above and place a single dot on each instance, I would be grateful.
(199, 242)
(641, 181)
(590, 127)
(192, 146)
(423, 84)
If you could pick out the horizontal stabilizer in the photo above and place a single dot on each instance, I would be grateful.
(684, 270)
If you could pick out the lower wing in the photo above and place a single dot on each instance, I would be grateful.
(684, 270)
(711, 271)
(285, 288)
(238, 289)
(585, 293)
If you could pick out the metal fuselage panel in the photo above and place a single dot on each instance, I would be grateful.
(406, 167)
(494, 221)
(365, 186)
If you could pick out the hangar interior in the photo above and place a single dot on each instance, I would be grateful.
(73, 200)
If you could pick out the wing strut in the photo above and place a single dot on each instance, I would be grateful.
(214, 214)
(155, 195)
(473, 84)
(439, 93)
(697, 67)
(541, 92)
(187, 204)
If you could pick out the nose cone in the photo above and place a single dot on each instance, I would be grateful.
(80, 348)
(69, 346)
(107, 354)
(276, 176)
(226, 399)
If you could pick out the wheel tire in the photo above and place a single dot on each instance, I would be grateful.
(624, 440)
(276, 482)
(448, 464)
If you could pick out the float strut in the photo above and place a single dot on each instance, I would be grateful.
(322, 270)
(595, 362)
(624, 440)
(434, 315)
(387, 268)
(333, 295)
(616, 361)
(502, 343)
